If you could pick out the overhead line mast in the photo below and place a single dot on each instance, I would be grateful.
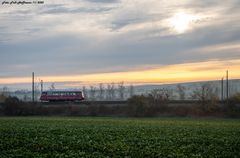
(33, 87)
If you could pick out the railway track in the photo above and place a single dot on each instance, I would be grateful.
(124, 102)
(84, 103)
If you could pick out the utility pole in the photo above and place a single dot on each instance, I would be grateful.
(222, 89)
(33, 87)
(41, 86)
(227, 85)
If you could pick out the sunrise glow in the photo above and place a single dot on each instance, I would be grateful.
(201, 71)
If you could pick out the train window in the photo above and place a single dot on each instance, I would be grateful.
(55, 93)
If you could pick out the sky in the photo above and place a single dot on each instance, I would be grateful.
(85, 42)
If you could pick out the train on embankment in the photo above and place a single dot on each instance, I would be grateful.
(53, 96)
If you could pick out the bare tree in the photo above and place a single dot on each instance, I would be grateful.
(156, 94)
(25, 98)
(121, 89)
(5, 91)
(101, 91)
(168, 93)
(108, 92)
(216, 91)
(207, 96)
(131, 90)
(181, 91)
(112, 89)
(52, 87)
(84, 91)
(92, 92)
(161, 94)
(36, 92)
(204, 93)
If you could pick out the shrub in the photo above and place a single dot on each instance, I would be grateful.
(137, 106)
(235, 100)
(2, 98)
(140, 106)
(11, 106)
(233, 106)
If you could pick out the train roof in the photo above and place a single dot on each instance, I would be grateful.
(62, 91)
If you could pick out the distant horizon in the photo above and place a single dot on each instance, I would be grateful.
(60, 86)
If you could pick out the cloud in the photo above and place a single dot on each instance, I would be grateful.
(65, 10)
(104, 1)
(89, 36)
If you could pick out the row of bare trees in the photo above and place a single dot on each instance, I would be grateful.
(205, 92)
(112, 91)
(202, 92)
(162, 94)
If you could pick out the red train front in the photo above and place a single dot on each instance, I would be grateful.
(62, 96)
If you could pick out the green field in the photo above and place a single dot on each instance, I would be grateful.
(114, 137)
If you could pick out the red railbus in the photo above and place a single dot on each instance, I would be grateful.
(62, 96)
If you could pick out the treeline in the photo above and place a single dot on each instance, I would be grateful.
(153, 105)
(12, 106)
(111, 91)
(149, 106)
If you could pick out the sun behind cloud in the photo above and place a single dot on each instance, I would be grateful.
(181, 21)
